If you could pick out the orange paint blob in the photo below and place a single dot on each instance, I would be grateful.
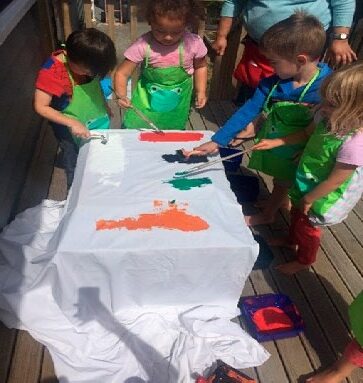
(171, 136)
(171, 217)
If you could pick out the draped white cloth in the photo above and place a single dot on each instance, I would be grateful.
(125, 305)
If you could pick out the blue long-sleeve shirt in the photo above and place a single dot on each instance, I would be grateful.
(254, 106)
(259, 15)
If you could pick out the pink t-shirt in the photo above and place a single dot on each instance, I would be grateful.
(167, 55)
(351, 151)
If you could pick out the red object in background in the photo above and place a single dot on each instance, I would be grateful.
(170, 136)
(272, 318)
(225, 374)
(253, 66)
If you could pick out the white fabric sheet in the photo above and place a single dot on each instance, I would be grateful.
(130, 305)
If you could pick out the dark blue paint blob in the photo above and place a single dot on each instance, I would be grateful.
(180, 158)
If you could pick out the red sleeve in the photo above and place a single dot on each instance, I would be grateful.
(53, 78)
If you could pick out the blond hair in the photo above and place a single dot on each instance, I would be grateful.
(343, 91)
(300, 33)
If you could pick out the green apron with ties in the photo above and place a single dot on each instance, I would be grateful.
(162, 94)
(315, 166)
(282, 118)
(356, 318)
(87, 105)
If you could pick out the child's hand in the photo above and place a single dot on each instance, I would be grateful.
(78, 129)
(200, 100)
(124, 102)
(305, 205)
(202, 150)
(267, 144)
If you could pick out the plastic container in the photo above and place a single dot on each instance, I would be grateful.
(249, 306)
(233, 164)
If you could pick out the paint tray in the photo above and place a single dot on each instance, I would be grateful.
(270, 316)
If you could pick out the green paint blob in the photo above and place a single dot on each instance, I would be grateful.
(189, 183)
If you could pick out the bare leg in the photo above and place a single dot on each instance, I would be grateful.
(335, 374)
(278, 198)
(291, 268)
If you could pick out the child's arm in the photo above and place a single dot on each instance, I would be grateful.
(200, 82)
(340, 173)
(42, 106)
(291, 139)
(122, 75)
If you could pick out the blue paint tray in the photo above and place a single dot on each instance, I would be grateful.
(276, 304)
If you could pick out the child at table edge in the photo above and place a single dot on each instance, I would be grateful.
(68, 91)
(171, 59)
(293, 46)
(329, 177)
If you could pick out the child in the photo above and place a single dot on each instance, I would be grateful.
(293, 47)
(170, 57)
(258, 16)
(68, 91)
(329, 178)
(353, 353)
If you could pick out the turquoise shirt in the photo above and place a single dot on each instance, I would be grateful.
(259, 15)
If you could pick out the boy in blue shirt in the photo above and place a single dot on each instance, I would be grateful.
(283, 101)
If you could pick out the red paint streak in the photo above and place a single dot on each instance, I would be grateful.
(170, 217)
(272, 319)
(171, 136)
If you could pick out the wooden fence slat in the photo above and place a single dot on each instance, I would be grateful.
(67, 23)
(88, 13)
(110, 19)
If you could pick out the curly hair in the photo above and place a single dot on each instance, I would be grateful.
(189, 10)
(343, 91)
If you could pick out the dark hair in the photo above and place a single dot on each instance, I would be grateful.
(189, 10)
(92, 49)
(300, 33)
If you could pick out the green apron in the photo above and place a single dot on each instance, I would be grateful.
(316, 164)
(87, 105)
(282, 118)
(356, 318)
(162, 94)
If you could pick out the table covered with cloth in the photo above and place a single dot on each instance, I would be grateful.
(136, 276)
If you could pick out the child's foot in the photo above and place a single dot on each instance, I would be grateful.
(291, 268)
(259, 219)
(331, 375)
(280, 242)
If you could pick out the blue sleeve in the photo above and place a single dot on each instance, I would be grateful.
(342, 12)
(247, 113)
(231, 8)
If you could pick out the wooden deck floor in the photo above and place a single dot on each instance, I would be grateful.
(322, 295)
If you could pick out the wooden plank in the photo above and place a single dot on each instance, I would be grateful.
(196, 120)
(41, 169)
(88, 13)
(66, 14)
(27, 359)
(8, 338)
(110, 19)
(47, 374)
(46, 26)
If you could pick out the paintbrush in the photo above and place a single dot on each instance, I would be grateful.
(195, 169)
(139, 113)
(102, 137)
